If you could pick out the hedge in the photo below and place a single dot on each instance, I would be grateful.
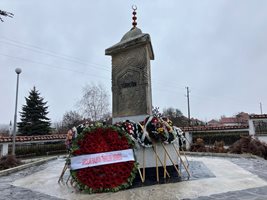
(228, 137)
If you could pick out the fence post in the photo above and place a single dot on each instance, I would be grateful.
(251, 127)
(4, 149)
(189, 140)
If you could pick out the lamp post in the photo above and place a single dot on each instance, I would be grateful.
(18, 71)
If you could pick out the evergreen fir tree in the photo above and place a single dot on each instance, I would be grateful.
(34, 120)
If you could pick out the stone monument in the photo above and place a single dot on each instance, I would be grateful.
(131, 76)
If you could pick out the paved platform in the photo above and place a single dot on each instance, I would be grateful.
(212, 178)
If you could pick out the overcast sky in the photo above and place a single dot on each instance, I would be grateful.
(216, 48)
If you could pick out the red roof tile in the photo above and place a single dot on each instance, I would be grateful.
(6, 139)
(258, 116)
(211, 128)
(227, 120)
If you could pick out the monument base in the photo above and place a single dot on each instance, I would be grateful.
(148, 155)
(151, 177)
(135, 118)
(161, 156)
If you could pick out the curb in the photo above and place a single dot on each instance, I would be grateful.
(227, 155)
(24, 166)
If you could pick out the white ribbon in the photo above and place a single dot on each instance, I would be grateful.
(91, 160)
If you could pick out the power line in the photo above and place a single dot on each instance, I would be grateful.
(165, 89)
(167, 85)
(168, 89)
(52, 54)
(46, 50)
(157, 80)
(52, 66)
(68, 58)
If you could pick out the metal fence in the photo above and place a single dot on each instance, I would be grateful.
(260, 127)
(39, 149)
(227, 137)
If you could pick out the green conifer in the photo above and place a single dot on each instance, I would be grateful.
(34, 120)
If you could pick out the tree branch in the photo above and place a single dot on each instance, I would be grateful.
(6, 14)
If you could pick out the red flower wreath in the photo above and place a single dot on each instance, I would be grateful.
(103, 178)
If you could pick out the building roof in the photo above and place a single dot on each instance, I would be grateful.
(262, 116)
(8, 139)
(213, 128)
(213, 121)
(228, 120)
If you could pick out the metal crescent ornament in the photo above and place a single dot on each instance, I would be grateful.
(134, 7)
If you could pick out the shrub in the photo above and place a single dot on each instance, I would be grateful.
(8, 162)
(199, 146)
(249, 145)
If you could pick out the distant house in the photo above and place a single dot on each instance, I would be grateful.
(229, 121)
(243, 118)
(196, 122)
(240, 119)
(213, 122)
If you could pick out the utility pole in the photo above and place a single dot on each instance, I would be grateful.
(188, 105)
(18, 71)
(261, 108)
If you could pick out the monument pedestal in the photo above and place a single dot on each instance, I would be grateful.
(136, 118)
(146, 156)
(161, 159)
(131, 76)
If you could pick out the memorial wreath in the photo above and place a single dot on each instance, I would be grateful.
(102, 160)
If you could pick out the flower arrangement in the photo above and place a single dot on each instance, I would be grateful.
(151, 130)
(108, 177)
(159, 130)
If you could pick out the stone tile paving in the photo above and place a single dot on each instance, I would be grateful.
(198, 171)
(9, 191)
(255, 166)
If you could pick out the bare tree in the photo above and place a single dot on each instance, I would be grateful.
(6, 14)
(4, 131)
(58, 128)
(94, 103)
(172, 113)
(176, 116)
(71, 118)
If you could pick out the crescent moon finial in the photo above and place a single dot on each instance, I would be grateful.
(134, 7)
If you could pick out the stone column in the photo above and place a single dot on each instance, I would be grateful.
(131, 77)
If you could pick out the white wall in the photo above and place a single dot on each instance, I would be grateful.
(262, 138)
(189, 140)
(4, 149)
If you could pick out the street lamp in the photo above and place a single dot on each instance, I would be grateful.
(18, 71)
